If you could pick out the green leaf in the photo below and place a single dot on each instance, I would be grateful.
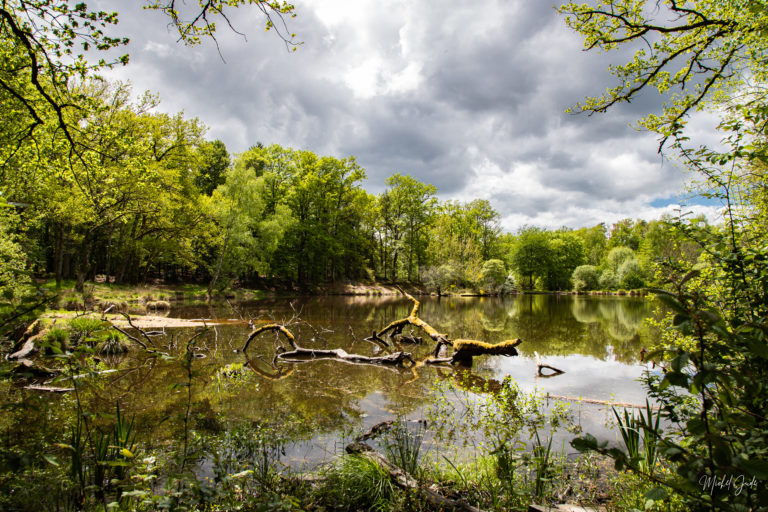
(657, 494)
(585, 444)
(758, 468)
(50, 459)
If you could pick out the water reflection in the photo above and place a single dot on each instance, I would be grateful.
(596, 340)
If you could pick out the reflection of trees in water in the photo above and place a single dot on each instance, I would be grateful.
(585, 310)
(328, 395)
(494, 317)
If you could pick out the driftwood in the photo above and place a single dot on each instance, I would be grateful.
(540, 366)
(26, 350)
(413, 319)
(406, 481)
(300, 354)
(463, 350)
(49, 389)
(597, 402)
(270, 327)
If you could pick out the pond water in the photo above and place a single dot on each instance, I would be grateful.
(595, 340)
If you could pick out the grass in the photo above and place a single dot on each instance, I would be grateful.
(354, 482)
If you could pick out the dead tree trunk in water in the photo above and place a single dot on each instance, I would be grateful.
(301, 354)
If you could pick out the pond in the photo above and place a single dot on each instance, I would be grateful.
(595, 340)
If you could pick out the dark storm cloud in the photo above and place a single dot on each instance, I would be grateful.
(468, 97)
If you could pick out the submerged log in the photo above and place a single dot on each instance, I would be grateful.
(49, 389)
(307, 354)
(465, 350)
(469, 348)
(300, 354)
(540, 366)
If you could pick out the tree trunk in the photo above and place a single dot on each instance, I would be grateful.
(218, 266)
(82, 262)
(59, 258)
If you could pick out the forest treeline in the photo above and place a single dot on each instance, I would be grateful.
(147, 197)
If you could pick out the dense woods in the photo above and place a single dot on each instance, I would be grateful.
(148, 198)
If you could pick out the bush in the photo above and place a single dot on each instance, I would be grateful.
(617, 256)
(585, 278)
(608, 280)
(631, 275)
(493, 274)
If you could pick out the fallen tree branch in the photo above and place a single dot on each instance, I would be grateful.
(300, 354)
(271, 327)
(49, 389)
(413, 319)
(597, 402)
(540, 366)
(374, 338)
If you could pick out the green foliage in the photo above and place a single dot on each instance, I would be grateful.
(355, 482)
(464, 235)
(630, 275)
(14, 277)
(403, 448)
(442, 278)
(405, 210)
(212, 167)
(494, 274)
(608, 280)
(696, 52)
(585, 278)
(617, 257)
(531, 257)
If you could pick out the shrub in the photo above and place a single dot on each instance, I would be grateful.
(585, 278)
(630, 275)
(493, 274)
(608, 280)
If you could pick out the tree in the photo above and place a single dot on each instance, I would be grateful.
(406, 209)
(494, 275)
(327, 242)
(585, 278)
(700, 50)
(595, 243)
(213, 163)
(628, 233)
(531, 256)
(47, 48)
(617, 256)
(566, 253)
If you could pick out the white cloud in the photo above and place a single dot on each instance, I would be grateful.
(467, 96)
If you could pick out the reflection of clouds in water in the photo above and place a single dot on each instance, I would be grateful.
(584, 376)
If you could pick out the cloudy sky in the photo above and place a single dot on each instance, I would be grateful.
(468, 96)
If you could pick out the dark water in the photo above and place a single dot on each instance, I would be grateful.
(595, 340)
